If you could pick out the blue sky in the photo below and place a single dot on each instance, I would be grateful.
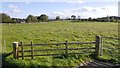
(64, 8)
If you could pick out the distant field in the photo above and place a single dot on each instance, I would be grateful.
(52, 32)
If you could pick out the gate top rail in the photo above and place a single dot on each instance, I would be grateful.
(70, 43)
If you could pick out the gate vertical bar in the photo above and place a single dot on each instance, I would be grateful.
(97, 46)
(31, 50)
(101, 44)
(66, 47)
(4, 46)
(22, 50)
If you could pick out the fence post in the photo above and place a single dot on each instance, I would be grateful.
(15, 50)
(22, 50)
(97, 46)
(31, 50)
(4, 46)
(101, 46)
(66, 47)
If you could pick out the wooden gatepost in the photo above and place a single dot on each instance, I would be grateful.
(15, 50)
(98, 46)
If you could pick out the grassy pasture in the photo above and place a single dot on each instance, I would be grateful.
(53, 32)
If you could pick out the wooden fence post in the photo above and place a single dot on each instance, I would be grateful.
(101, 46)
(66, 47)
(15, 50)
(22, 50)
(4, 46)
(31, 50)
(97, 46)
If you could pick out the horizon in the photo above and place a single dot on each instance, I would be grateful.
(62, 9)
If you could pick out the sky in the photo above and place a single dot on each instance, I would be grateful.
(63, 8)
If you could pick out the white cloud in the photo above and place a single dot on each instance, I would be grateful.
(86, 8)
(107, 10)
(86, 12)
(74, 1)
(12, 6)
(14, 9)
(27, 2)
(59, 0)
(1, 11)
(101, 0)
(17, 10)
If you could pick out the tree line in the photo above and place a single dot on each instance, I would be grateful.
(30, 19)
(44, 18)
(102, 19)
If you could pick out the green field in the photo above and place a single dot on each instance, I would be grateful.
(53, 32)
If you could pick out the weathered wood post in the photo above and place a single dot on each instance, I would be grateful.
(101, 46)
(31, 50)
(97, 46)
(66, 47)
(21, 43)
(15, 50)
(4, 46)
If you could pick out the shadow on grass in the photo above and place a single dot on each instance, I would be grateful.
(5, 64)
(10, 62)
(112, 60)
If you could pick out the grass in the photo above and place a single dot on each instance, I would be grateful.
(47, 61)
(53, 32)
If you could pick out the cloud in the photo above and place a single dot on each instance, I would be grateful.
(101, 0)
(27, 2)
(17, 10)
(74, 1)
(1, 11)
(87, 11)
(86, 8)
(57, 0)
(12, 6)
(14, 9)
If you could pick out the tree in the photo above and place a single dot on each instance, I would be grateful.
(31, 19)
(89, 19)
(43, 18)
(112, 19)
(73, 17)
(57, 17)
(5, 18)
(108, 19)
(79, 17)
